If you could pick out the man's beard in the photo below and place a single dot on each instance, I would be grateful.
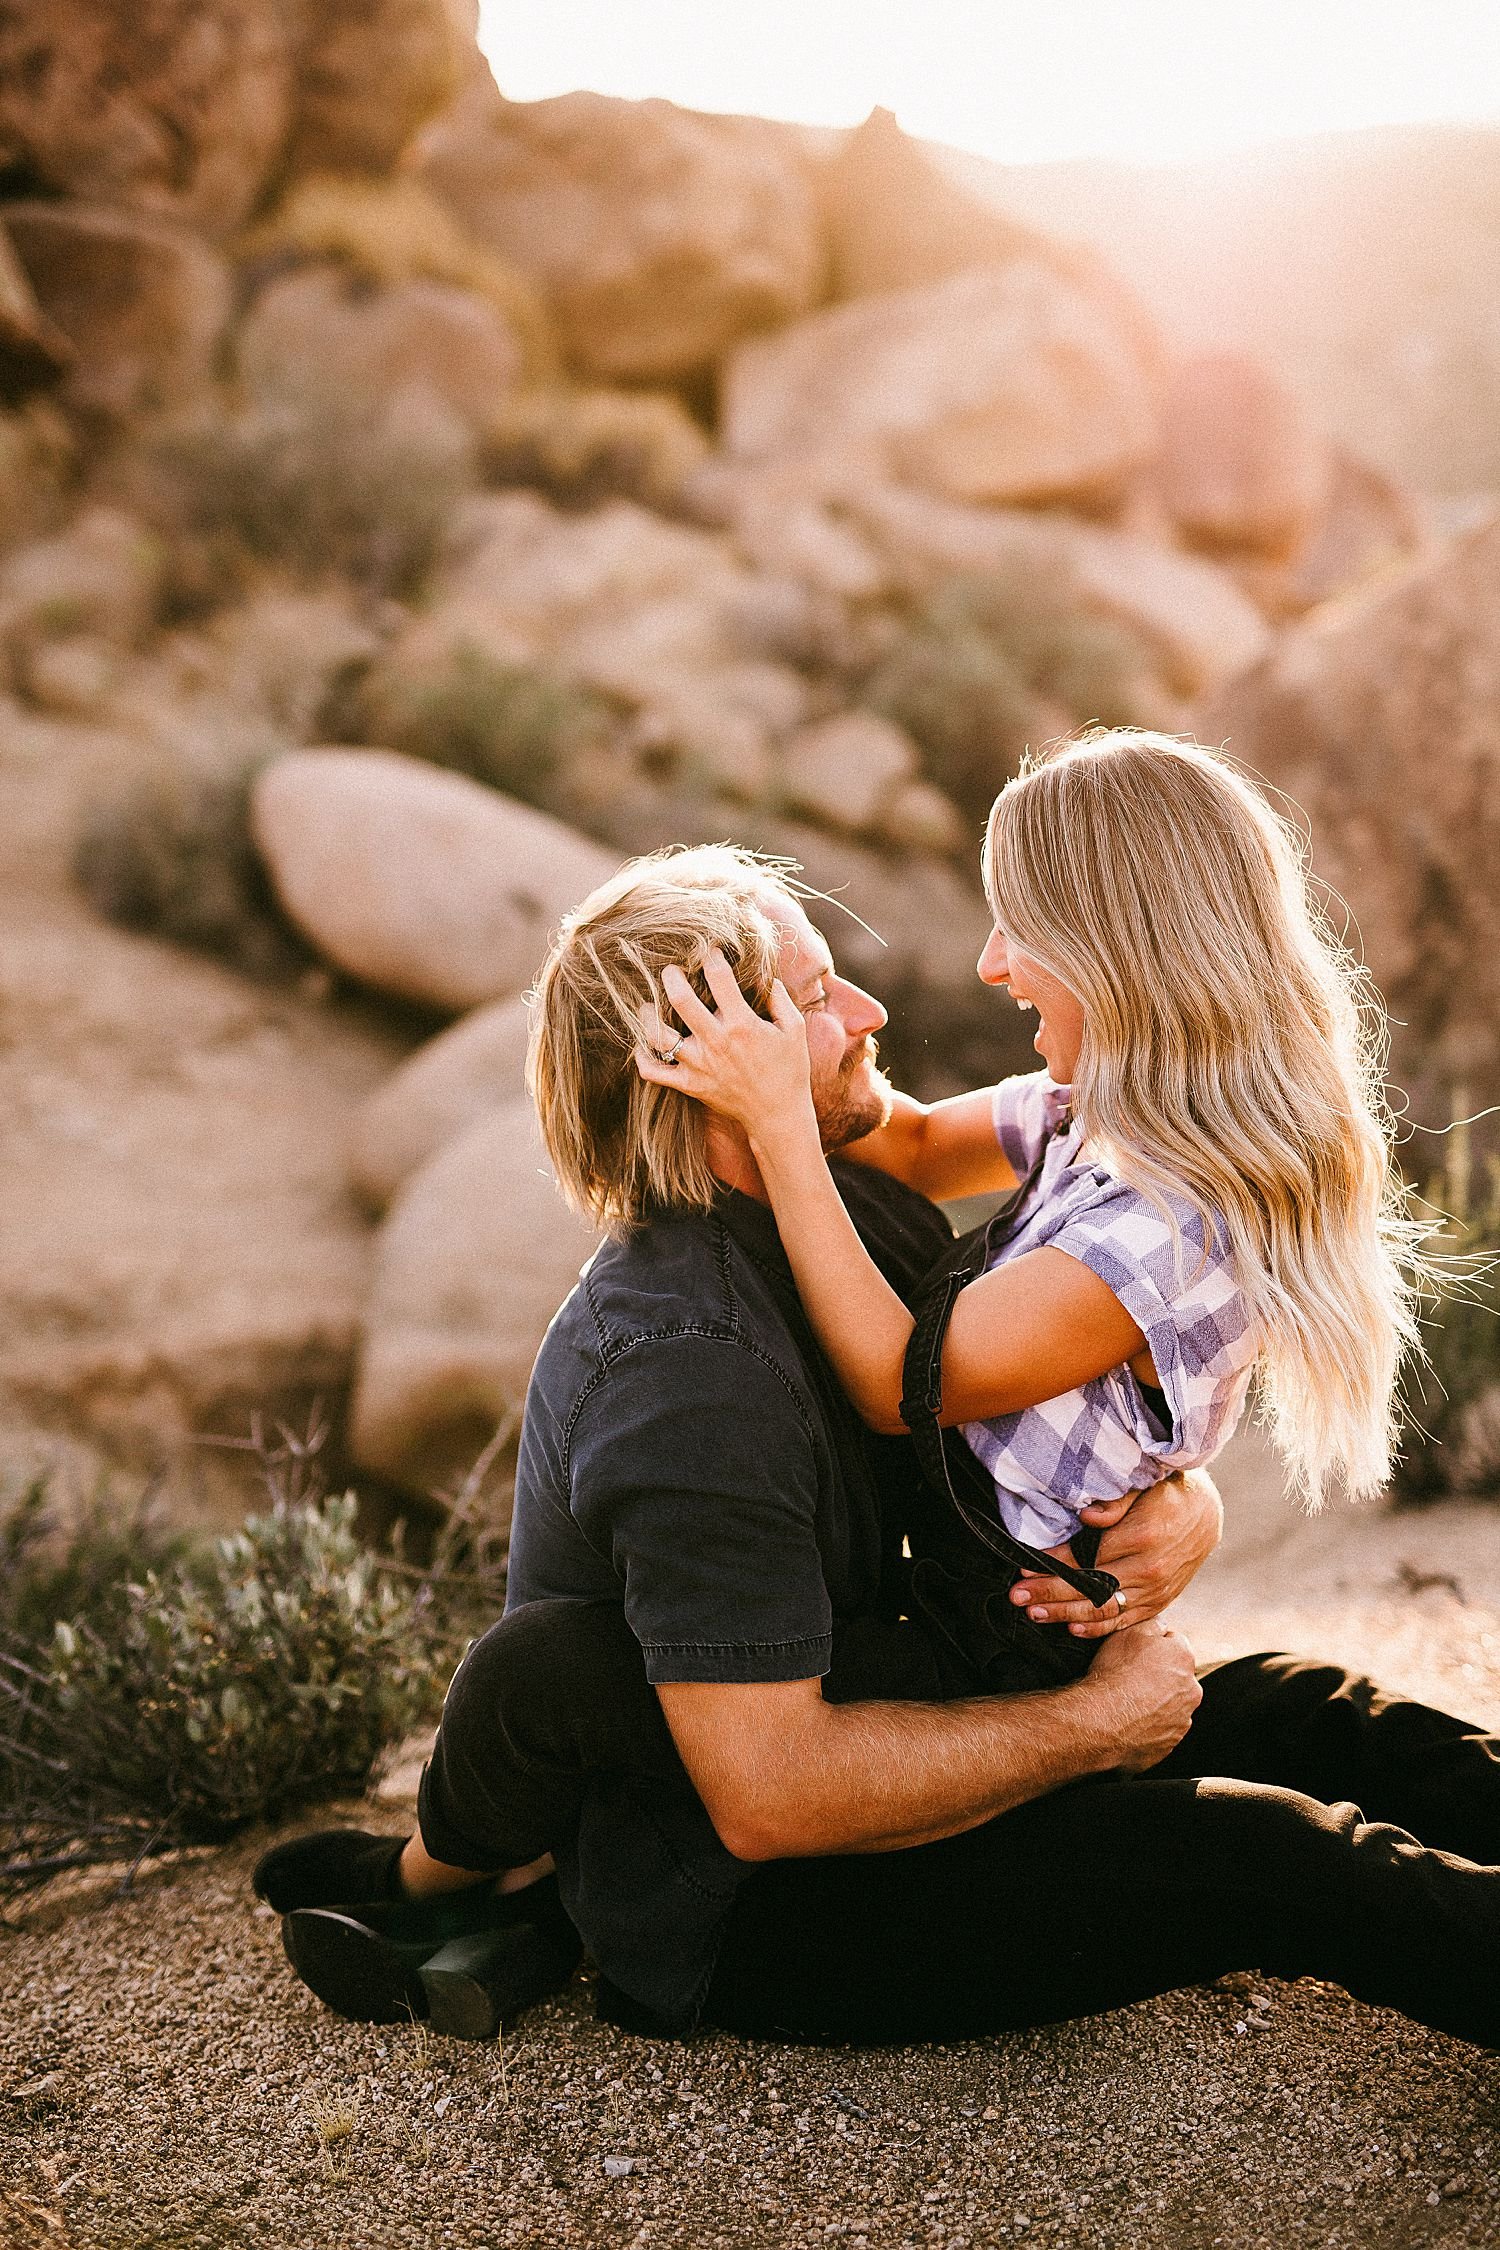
(848, 1112)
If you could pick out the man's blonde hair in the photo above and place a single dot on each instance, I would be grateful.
(619, 1145)
(1232, 1054)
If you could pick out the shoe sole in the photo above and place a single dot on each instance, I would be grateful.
(353, 1969)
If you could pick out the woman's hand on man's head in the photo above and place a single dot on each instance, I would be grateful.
(753, 1071)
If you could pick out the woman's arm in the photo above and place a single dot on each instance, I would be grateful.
(1026, 1332)
(942, 1149)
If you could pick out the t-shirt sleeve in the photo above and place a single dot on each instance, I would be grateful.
(1025, 1112)
(1189, 1309)
(693, 1470)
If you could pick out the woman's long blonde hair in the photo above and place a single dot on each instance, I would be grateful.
(1232, 1054)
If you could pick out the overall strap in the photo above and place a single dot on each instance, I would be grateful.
(922, 1399)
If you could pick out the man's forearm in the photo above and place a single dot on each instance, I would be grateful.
(871, 1777)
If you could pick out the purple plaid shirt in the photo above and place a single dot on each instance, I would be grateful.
(1103, 1440)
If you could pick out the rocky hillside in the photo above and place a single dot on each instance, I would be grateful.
(417, 501)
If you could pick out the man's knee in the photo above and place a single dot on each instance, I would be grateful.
(558, 1679)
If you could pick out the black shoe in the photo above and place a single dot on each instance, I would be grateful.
(356, 1970)
(475, 1985)
(334, 1867)
(466, 1963)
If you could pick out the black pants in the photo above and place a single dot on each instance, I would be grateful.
(1282, 1835)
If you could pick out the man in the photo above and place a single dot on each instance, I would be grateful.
(706, 1699)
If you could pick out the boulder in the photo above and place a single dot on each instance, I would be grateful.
(846, 770)
(1014, 384)
(372, 73)
(1370, 525)
(896, 217)
(1379, 716)
(102, 578)
(32, 348)
(920, 818)
(37, 456)
(419, 882)
(661, 617)
(476, 1066)
(659, 236)
(321, 333)
(478, 1252)
(166, 107)
(1200, 627)
(1242, 467)
(142, 303)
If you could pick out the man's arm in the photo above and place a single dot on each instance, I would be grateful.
(785, 1775)
(1155, 1542)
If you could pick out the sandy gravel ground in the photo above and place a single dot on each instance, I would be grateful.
(163, 2082)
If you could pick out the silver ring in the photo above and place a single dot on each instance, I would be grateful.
(671, 1054)
(1118, 1596)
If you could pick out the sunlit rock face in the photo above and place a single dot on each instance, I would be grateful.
(660, 236)
(1007, 384)
(1380, 719)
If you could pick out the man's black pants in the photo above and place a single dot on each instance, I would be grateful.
(1282, 1835)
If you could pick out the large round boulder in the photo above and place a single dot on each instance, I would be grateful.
(320, 332)
(142, 303)
(1015, 383)
(476, 1066)
(419, 882)
(474, 1259)
(1379, 716)
(1243, 468)
(660, 236)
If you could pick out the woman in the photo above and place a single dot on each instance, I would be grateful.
(1213, 1198)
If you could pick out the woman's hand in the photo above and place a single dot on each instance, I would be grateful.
(1154, 1542)
(756, 1073)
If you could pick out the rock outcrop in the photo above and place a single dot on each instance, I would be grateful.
(189, 113)
(321, 334)
(1381, 720)
(477, 1254)
(1010, 384)
(659, 236)
(421, 883)
(142, 303)
(1242, 467)
(476, 1066)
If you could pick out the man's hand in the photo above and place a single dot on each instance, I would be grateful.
(1147, 1694)
(1154, 1542)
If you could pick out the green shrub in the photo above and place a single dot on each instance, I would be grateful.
(515, 727)
(585, 447)
(170, 851)
(305, 484)
(212, 1692)
(987, 665)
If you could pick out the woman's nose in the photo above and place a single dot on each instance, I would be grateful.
(994, 961)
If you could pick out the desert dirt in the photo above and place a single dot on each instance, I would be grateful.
(165, 2082)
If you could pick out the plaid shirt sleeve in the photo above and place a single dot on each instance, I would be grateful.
(1183, 1297)
(1026, 1110)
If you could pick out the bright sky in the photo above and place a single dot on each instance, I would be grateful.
(1024, 80)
